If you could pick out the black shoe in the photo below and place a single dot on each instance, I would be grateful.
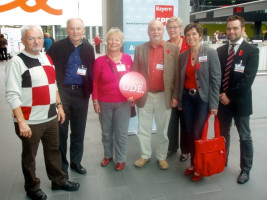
(66, 173)
(37, 195)
(78, 168)
(243, 177)
(67, 186)
(183, 157)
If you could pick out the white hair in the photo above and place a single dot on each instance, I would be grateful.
(29, 27)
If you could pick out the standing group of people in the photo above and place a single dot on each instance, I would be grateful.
(49, 93)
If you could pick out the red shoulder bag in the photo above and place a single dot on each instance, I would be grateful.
(210, 154)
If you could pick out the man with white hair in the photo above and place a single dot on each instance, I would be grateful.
(74, 60)
(32, 94)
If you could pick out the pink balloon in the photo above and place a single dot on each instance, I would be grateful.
(132, 84)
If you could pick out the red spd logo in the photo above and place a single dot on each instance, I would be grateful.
(163, 13)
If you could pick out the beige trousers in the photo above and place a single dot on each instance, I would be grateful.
(155, 104)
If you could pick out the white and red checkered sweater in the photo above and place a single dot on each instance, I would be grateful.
(30, 83)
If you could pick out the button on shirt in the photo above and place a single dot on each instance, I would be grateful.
(74, 62)
(156, 56)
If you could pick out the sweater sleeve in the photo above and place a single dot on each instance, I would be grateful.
(96, 78)
(13, 82)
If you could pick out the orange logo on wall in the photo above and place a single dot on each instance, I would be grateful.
(40, 4)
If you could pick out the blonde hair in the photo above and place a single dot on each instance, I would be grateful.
(115, 31)
(178, 20)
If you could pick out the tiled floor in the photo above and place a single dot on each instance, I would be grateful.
(133, 183)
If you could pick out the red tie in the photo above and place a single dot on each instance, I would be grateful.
(230, 59)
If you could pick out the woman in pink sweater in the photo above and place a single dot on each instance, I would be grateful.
(113, 108)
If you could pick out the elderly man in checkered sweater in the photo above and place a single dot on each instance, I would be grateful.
(32, 94)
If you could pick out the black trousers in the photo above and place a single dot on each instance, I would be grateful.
(177, 118)
(47, 133)
(75, 106)
(225, 116)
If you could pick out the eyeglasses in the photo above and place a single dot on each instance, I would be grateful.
(173, 27)
(34, 38)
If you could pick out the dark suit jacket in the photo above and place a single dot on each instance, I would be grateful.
(170, 72)
(208, 76)
(239, 91)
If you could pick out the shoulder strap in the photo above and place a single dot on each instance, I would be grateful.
(114, 71)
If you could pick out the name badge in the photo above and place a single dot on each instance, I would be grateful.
(239, 68)
(81, 70)
(121, 68)
(159, 67)
(203, 58)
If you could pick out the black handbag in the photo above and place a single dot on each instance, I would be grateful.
(133, 111)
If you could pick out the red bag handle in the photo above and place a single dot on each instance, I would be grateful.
(206, 127)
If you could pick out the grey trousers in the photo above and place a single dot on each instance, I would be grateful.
(114, 119)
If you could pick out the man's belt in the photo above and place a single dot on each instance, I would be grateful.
(73, 87)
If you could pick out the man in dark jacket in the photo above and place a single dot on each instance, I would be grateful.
(73, 59)
(239, 63)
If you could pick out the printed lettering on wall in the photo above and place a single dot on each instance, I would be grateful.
(163, 13)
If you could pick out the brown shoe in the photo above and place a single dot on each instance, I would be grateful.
(141, 162)
(163, 164)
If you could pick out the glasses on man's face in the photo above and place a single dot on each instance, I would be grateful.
(34, 38)
(173, 27)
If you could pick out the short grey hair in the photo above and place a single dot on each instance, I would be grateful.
(115, 31)
(30, 27)
(79, 19)
(178, 20)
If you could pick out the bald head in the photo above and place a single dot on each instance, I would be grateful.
(155, 32)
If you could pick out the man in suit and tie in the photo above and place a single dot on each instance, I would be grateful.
(157, 61)
(239, 64)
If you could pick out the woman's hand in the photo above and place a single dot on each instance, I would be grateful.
(131, 100)
(96, 107)
(213, 112)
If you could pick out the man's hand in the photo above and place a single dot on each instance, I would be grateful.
(24, 129)
(174, 103)
(224, 99)
(60, 114)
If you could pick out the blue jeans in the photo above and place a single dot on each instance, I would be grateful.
(195, 114)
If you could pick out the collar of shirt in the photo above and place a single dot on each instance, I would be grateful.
(150, 44)
(237, 44)
(78, 45)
